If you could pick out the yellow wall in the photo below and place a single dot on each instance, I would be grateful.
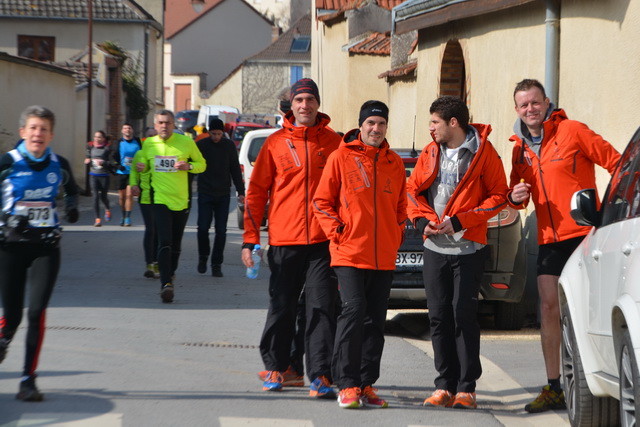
(228, 93)
(345, 82)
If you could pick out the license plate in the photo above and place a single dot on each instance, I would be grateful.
(408, 259)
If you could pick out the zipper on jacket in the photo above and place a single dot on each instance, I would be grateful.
(307, 202)
(575, 160)
(294, 153)
(375, 208)
(546, 197)
(363, 172)
(465, 177)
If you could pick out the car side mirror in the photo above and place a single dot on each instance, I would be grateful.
(584, 207)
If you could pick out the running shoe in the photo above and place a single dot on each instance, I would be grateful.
(441, 398)
(4, 347)
(548, 399)
(156, 270)
(202, 265)
(290, 377)
(166, 293)
(107, 215)
(28, 390)
(98, 223)
(127, 222)
(122, 222)
(465, 401)
(370, 398)
(321, 388)
(216, 270)
(273, 381)
(349, 398)
(149, 274)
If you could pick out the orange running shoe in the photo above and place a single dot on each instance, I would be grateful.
(291, 378)
(350, 398)
(465, 401)
(370, 398)
(441, 398)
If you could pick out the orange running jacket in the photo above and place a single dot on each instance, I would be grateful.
(568, 155)
(286, 174)
(361, 204)
(479, 196)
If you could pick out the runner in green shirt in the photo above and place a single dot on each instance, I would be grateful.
(168, 158)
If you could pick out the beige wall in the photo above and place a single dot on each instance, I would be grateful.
(402, 95)
(228, 93)
(492, 69)
(25, 85)
(599, 68)
(345, 81)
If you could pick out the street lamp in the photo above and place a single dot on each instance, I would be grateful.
(197, 5)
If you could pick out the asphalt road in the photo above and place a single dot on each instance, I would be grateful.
(114, 355)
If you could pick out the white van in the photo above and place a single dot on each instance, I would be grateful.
(210, 112)
(249, 149)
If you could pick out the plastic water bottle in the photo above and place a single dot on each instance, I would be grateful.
(252, 272)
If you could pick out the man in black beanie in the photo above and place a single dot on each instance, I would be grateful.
(361, 205)
(214, 194)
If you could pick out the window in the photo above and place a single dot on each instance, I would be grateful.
(37, 47)
(296, 73)
(300, 44)
(623, 199)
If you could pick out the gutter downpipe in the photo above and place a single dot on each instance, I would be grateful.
(552, 60)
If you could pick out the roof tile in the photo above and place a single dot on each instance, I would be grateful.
(70, 9)
(374, 44)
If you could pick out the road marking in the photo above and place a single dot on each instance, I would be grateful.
(505, 396)
(69, 420)
(263, 422)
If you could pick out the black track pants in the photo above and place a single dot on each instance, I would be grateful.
(360, 334)
(452, 283)
(169, 230)
(293, 267)
(42, 262)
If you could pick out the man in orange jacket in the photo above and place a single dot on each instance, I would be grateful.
(361, 205)
(457, 185)
(553, 157)
(286, 174)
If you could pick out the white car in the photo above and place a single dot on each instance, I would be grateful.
(600, 302)
(249, 149)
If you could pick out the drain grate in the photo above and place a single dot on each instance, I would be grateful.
(71, 328)
(218, 345)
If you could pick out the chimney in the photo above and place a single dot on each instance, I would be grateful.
(275, 33)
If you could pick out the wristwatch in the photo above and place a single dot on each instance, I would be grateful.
(190, 166)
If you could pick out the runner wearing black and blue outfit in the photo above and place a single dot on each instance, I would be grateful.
(30, 177)
(123, 152)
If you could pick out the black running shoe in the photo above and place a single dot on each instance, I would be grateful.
(149, 274)
(202, 266)
(4, 346)
(216, 270)
(28, 391)
(166, 293)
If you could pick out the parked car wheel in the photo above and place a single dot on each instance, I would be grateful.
(629, 382)
(583, 407)
(240, 215)
(509, 316)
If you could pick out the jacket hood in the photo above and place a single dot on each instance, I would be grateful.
(352, 140)
(520, 129)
